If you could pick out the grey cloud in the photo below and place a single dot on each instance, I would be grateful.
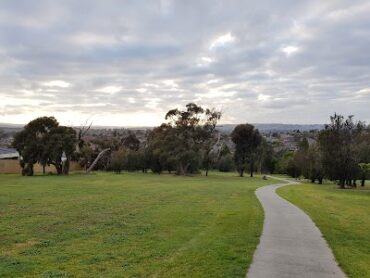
(138, 45)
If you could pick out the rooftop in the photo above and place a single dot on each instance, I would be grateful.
(8, 153)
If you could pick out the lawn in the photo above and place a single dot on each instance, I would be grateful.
(343, 216)
(128, 225)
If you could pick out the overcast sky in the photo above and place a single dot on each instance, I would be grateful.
(128, 62)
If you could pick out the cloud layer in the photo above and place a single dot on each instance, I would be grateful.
(128, 62)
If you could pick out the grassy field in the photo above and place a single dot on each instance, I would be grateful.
(343, 217)
(129, 225)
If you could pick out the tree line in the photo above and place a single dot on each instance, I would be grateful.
(341, 153)
(185, 144)
(188, 142)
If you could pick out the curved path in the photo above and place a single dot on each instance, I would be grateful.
(291, 245)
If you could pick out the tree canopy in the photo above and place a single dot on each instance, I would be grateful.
(337, 143)
(44, 141)
(246, 139)
(179, 143)
(338, 153)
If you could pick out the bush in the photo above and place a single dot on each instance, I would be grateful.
(118, 161)
(226, 164)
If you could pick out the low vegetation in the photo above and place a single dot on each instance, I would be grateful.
(129, 225)
(343, 218)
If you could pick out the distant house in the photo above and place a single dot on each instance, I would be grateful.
(311, 141)
(288, 141)
(8, 153)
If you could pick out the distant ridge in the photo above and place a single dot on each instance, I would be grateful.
(275, 127)
(2, 125)
(19, 126)
(226, 128)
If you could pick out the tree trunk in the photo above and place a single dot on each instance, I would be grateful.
(207, 167)
(252, 166)
(30, 169)
(66, 167)
(97, 159)
(260, 167)
(59, 168)
(342, 184)
(180, 170)
(43, 169)
(363, 181)
(27, 170)
(320, 180)
(241, 172)
(186, 169)
(183, 169)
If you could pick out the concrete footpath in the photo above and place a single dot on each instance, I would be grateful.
(291, 245)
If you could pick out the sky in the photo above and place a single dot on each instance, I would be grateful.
(126, 63)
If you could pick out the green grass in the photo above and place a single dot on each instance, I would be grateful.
(343, 216)
(128, 225)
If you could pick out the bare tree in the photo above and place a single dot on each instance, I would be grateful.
(82, 131)
(96, 160)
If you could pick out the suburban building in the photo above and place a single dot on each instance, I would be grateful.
(8, 153)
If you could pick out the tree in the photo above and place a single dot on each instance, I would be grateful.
(95, 152)
(131, 142)
(96, 160)
(314, 170)
(336, 142)
(307, 161)
(182, 141)
(31, 141)
(299, 165)
(86, 155)
(210, 140)
(132, 161)
(365, 170)
(265, 157)
(27, 146)
(61, 140)
(285, 165)
(224, 150)
(82, 132)
(143, 157)
(43, 141)
(226, 163)
(118, 160)
(246, 139)
(362, 150)
(160, 147)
